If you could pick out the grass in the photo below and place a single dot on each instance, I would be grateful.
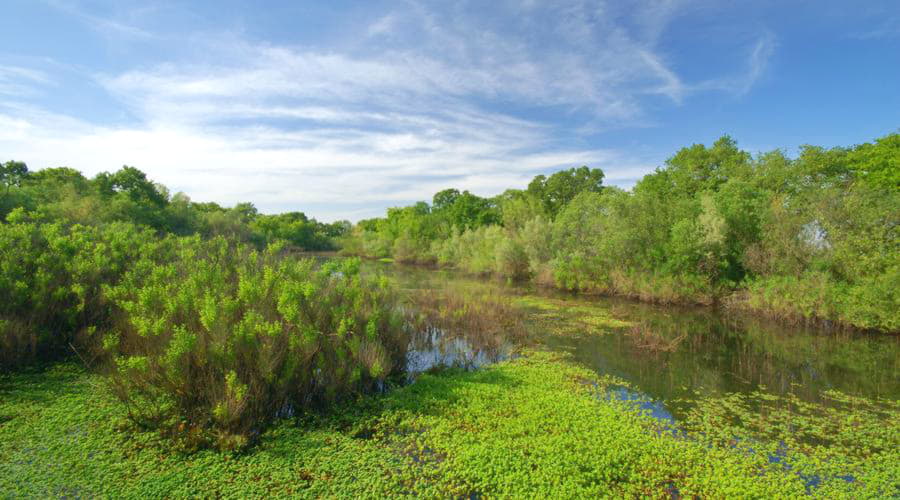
(534, 426)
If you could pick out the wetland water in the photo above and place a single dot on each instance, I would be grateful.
(668, 353)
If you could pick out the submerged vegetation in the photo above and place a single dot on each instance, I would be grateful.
(807, 239)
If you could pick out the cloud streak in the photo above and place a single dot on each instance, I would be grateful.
(432, 96)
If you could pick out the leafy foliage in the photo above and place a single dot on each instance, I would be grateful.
(64, 195)
(220, 339)
(536, 426)
(812, 238)
(51, 281)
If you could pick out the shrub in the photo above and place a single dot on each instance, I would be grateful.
(511, 259)
(220, 340)
(51, 279)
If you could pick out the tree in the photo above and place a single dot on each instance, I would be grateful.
(698, 168)
(560, 188)
(878, 165)
(444, 199)
(133, 183)
(12, 173)
(470, 211)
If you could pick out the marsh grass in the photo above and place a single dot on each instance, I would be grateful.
(645, 336)
(483, 316)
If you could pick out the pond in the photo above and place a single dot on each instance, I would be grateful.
(669, 353)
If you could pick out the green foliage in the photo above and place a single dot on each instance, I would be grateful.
(560, 188)
(215, 341)
(12, 173)
(537, 426)
(51, 280)
(814, 237)
(64, 195)
(878, 164)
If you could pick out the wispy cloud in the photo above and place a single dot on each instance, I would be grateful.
(431, 96)
(886, 28)
(757, 62)
(16, 81)
(110, 27)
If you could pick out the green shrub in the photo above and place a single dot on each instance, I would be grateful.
(51, 279)
(511, 259)
(815, 297)
(216, 342)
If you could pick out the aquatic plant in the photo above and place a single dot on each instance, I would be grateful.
(535, 426)
(483, 316)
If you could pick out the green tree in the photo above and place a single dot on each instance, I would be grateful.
(561, 187)
(12, 173)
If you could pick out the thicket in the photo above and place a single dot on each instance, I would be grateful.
(810, 238)
(205, 339)
(219, 339)
(51, 284)
(63, 237)
(206, 325)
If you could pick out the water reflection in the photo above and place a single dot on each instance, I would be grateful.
(700, 350)
(434, 348)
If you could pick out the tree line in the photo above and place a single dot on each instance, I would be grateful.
(806, 238)
(127, 195)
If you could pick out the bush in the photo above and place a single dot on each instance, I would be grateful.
(217, 342)
(51, 279)
(814, 297)
(511, 259)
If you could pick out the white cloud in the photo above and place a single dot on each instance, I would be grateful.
(410, 109)
(277, 168)
(16, 81)
(109, 27)
(757, 63)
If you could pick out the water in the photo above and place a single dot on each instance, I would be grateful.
(434, 349)
(671, 353)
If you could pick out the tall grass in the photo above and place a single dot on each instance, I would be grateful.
(485, 318)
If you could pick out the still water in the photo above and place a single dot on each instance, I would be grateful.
(668, 353)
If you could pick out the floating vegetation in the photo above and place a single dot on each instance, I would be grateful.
(533, 426)
(565, 318)
(843, 446)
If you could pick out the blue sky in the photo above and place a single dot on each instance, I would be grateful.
(341, 108)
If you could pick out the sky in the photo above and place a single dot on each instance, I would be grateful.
(340, 109)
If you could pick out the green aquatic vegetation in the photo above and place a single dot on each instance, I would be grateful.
(844, 446)
(535, 426)
(66, 436)
(562, 317)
